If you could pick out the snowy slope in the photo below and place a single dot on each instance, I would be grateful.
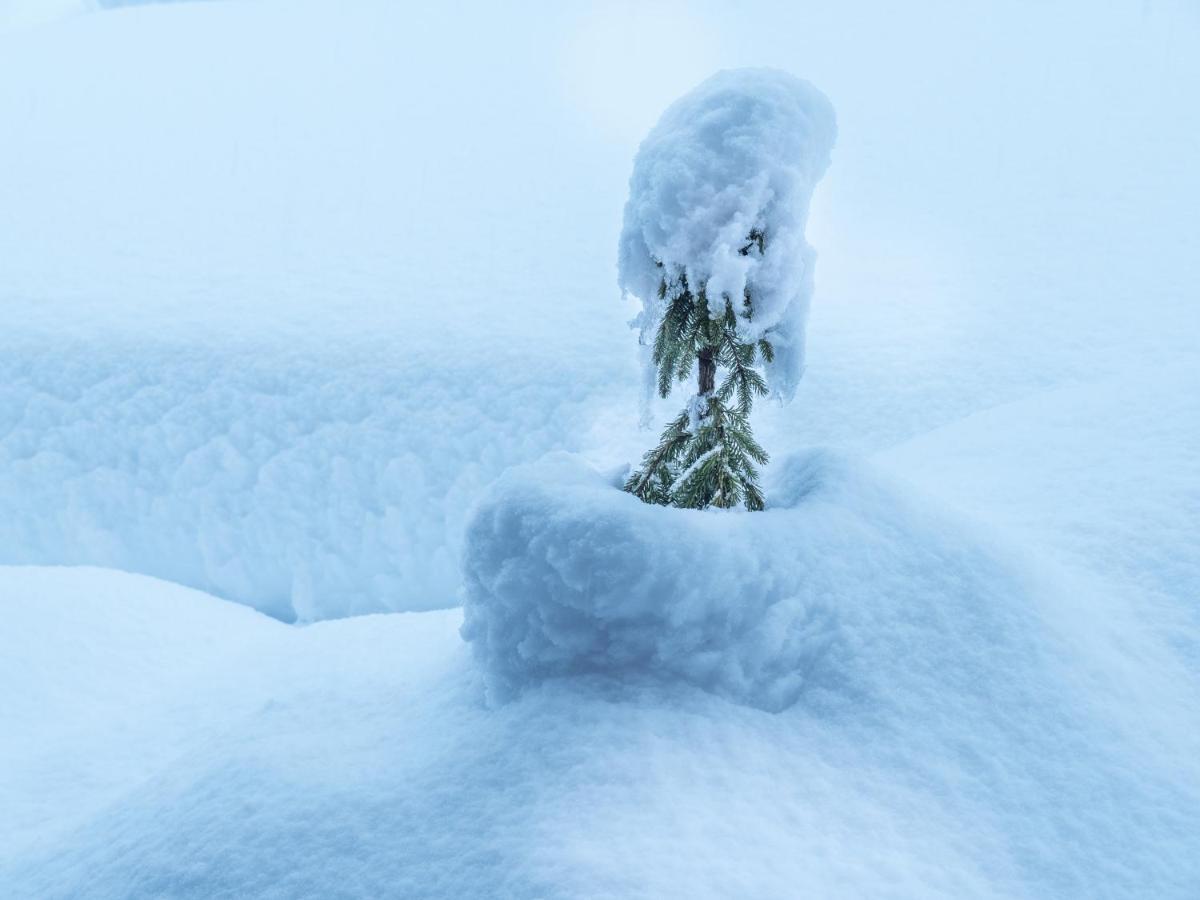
(108, 678)
(1103, 476)
(1042, 744)
(298, 267)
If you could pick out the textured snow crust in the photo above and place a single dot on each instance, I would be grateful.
(306, 483)
(814, 600)
(741, 153)
(258, 341)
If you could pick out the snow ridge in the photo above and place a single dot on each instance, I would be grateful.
(813, 600)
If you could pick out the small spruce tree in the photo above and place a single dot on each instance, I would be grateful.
(707, 455)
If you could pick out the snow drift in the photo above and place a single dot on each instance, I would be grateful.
(739, 154)
(170, 744)
(826, 597)
(307, 484)
(239, 350)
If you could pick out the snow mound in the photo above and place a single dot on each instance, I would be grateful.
(740, 153)
(1100, 475)
(170, 744)
(828, 597)
(116, 673)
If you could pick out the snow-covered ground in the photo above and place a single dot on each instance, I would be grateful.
(287, 285)
(165, 743)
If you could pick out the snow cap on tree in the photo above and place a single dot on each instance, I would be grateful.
(738, 155)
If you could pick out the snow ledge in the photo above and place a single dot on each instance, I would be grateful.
(817, 598)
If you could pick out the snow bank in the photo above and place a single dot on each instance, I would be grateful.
(813, 599)
(240, 348)
(991, 740)
(1102, 475)
(108, 677)
(307, 484)
(740, 153)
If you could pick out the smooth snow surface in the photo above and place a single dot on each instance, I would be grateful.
(170, 744)
(20, 14)
(1054, 473)
(98, 666)
(739, 154)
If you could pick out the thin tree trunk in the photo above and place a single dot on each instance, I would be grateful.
(708, 371)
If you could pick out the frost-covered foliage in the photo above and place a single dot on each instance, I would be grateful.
(713, 246)
(738, 156)
(565, 575)
(707, 456)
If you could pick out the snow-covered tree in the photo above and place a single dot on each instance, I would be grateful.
(707, 455)
(713, 246)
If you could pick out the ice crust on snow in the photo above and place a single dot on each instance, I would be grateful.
(566, 574)
(741, 152)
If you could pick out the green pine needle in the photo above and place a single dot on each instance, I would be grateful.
(714, 464)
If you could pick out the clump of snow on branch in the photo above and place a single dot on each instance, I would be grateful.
(740, 153)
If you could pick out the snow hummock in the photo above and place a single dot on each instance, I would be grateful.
(830, 597)
(739, 154)
(1054, 473)
(306, 483)
(975, 729)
